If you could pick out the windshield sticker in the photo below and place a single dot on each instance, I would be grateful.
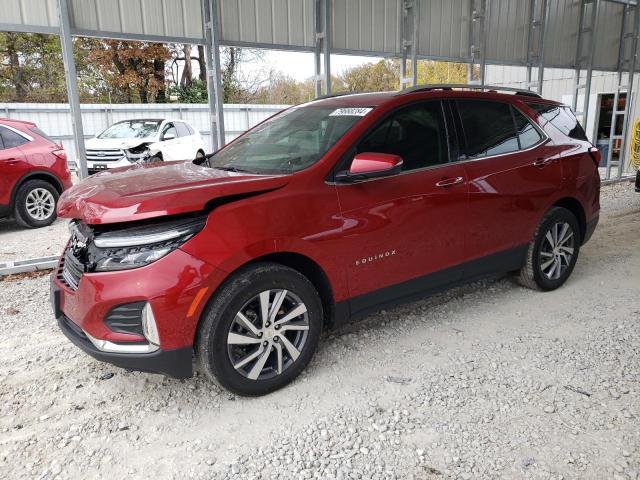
(350, 112)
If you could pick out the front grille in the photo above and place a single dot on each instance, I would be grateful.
(70, 271)
(105, 155)
(126, 318)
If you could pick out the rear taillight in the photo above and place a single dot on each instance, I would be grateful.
(594, 153)
(61, 154)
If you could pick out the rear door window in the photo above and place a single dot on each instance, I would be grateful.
(488, 128)
(417, 133)
(528, 135)
(11, 139)
(562, 118)
(183, 130)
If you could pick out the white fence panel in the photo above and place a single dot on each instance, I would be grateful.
(55, 118)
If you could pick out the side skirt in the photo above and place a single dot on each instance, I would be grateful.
(432, 283)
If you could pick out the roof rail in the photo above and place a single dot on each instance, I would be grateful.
(471, 86)
(336, 94)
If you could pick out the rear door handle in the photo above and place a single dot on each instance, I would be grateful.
(542, 162)
(447, 182)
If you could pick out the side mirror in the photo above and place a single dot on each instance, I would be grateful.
(168, 136)
(368, 165)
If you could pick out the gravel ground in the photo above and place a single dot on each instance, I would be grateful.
(489, 380)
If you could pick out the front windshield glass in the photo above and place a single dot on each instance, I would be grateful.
(132, 129)
(289, 142)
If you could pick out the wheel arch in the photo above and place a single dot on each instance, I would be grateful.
(296, 261)
(574, 206)
(38, 175)
(310, 269)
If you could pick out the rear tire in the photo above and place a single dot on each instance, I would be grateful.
(35, 204)
(247, 355)
(553, 251)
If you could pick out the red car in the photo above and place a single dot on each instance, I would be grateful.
(326, 211)
(33, 173)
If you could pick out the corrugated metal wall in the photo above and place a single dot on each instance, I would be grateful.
(55, 118)
(42, 13)
(176, 18)
(366, 25)
(369, 27)
(270, 22)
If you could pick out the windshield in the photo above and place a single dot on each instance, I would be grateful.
(291, 141)
(132, 129)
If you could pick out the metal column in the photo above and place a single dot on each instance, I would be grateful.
(478, 40)
(538, 21)
(409, 18)
(626, 62)
(584, 57)
(215, 92)
(72, 87)
(322, 15)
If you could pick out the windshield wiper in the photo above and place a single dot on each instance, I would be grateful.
(232, 169)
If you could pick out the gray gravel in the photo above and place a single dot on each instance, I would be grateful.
(489, 380)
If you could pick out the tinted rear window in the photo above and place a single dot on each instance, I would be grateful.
(562, 118)
(40, 133)
(11, 139)
(488, 128)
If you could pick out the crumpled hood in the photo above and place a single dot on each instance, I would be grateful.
(157, 189)
(124, 143)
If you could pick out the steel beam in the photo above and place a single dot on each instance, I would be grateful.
(409, 20)
(543, 35)
(629, 98)
(326, 44)
(214, 78)
(478, 35)
(322, 48)
(70, 74)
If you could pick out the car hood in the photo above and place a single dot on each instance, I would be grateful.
(153, 190)
(99, 143)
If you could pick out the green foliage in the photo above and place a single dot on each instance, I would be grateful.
(194, 93)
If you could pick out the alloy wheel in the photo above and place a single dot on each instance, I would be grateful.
(268, 334)
(40, 203)
(556, 250)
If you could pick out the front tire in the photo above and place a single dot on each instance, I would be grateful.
(553, 251)
(260, 329)
(35, 204)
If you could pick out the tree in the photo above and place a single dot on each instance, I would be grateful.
(31, 68)
(135, 70)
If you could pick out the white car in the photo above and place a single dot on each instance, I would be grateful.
(143, 140)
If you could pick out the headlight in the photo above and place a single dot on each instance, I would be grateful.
(135, 247)
(136, 154)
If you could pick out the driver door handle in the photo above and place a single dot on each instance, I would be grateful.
(542, 162)
(447, 182)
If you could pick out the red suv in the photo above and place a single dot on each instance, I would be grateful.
(324, 212)
(33, 173)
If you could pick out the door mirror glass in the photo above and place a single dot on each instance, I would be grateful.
(367, 165)
(169, 136)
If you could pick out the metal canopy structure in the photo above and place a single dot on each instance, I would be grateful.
(583, 35)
